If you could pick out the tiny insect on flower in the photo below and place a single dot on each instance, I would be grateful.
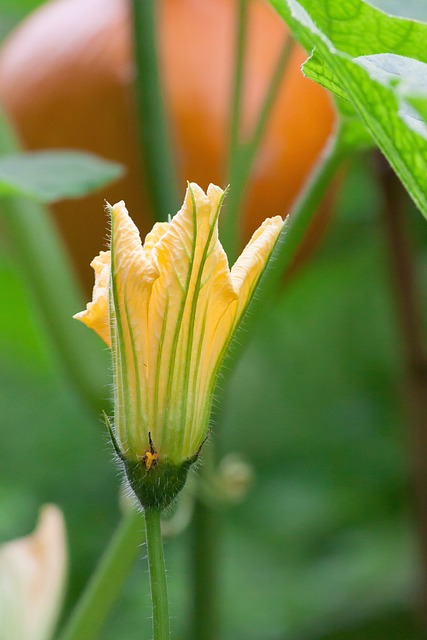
(168, 309)
(150, 457)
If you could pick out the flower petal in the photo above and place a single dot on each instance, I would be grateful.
(133, 274)
(32, 579)
(153, 237)
(248, 268)
(172, 306)
(190, 296)
(96, 316)
(244, 276)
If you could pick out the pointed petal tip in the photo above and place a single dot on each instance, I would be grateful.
(215, 195)
(50, 519)
(254, 257)
(274, 221)
(96, 315)
(271, 227)
(207, 205)
(214, 188)
(119, 205)
(213, 192)
(78, 316)
(119, 209)
(115, 209)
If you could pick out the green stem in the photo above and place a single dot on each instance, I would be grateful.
(105, 584)
(205, 552)
(302, 212)
(288, 243)
(238, 79)
(153, 128)
(50, 280)
(156, 563)
(270, 97)
(242, 155)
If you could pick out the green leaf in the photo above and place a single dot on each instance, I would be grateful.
(48, 176)
(374, 61)
(420, 104)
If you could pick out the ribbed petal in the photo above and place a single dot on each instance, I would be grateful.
(153, 237)
(96, 316)
(245, 275)
(172, 306)
(249, 266)
(133, 274)
(193, 291)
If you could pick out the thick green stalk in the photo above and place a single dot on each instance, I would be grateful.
(156, 563)
(45, 268)
(104, 586)
(159, 172)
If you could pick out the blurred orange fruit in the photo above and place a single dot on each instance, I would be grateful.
(66, 77)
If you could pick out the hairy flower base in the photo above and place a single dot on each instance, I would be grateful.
(158, 486)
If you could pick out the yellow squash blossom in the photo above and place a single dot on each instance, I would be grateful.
(168, 309)
(32, 579)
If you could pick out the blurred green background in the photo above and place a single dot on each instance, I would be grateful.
(324, 546)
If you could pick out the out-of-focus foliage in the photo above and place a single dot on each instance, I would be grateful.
(419, 102)
(48, 176)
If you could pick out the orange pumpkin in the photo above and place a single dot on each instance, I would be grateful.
(66, 80)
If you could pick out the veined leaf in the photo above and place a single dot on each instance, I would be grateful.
(47, 176)
(374, 61)
(419, 102)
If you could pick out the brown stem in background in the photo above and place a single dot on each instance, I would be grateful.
(409, 314)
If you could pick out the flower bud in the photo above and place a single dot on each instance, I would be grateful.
(168, 309)
(32, 579)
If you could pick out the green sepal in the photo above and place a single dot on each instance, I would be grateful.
(158, 486)
(113, 437)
